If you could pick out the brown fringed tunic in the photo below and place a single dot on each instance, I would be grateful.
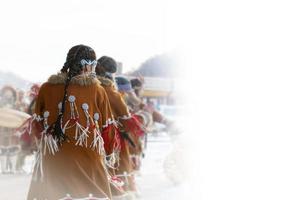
(76, 169)
(127, 124)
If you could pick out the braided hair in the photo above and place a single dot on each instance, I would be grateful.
(72, 67)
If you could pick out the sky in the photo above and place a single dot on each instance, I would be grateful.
(36, 35)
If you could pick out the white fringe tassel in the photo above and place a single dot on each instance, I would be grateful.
(98, 142)
(51, 144)
(39, 162)
(111, 160)
(81, 135)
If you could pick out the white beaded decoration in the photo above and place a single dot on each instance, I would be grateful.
(46, 114)
(85, 106)
(96, 116)
(71, 98)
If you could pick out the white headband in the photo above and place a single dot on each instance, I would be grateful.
(88, 62)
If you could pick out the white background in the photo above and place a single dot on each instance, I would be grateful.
(237, 53)
(36, 35)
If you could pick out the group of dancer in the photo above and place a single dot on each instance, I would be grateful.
(88, 127)
(13, 148)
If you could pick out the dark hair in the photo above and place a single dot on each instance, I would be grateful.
(106, 64)
(136, 83)
(72, 67)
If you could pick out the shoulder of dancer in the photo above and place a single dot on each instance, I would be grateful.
(83, 79)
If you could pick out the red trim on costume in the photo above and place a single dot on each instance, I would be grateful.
(111, 144)
(134, 125)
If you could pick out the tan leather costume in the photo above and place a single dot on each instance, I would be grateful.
(127, 125)
(76, 168)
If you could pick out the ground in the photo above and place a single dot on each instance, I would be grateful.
(152, 181)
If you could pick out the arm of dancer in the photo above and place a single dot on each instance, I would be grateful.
(109, 130)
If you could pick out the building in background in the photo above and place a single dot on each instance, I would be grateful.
(156, 89)
(119, 68)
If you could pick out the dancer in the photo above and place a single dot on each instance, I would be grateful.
(27, 141)
(128, 124)
(137, 85)
(72, 114)
(9, 147)
(136, 151)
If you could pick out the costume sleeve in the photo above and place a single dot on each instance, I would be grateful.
(33, 127)
(37, 125)
(157, 117)
(128, 122)
(109, 129)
